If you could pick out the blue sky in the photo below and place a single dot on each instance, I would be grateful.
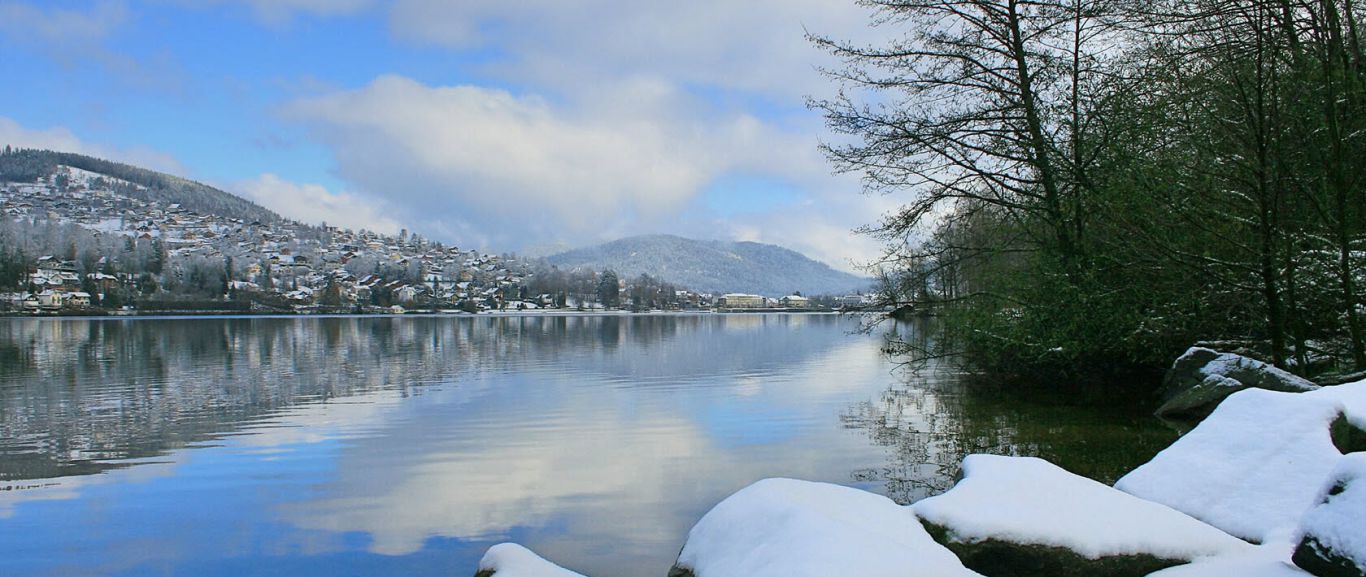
(510, 126)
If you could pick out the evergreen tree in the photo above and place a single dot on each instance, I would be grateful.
(608, 290)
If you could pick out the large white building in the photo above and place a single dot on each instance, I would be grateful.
(741, 301)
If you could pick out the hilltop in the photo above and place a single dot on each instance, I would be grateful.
(714, 266)
(27, 165)
(81, 234)
(84, 234)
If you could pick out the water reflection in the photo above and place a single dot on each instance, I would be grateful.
(930, 421)
(77, 396)
(408, 445)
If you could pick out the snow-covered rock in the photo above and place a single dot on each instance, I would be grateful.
(1252, 468)
(1334, 532)
(513, 560)
(1026, 516)
(790, 528)
(1264, 561)
(1350, 434)
(1201, 378)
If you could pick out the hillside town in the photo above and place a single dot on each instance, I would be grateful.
(126, 255)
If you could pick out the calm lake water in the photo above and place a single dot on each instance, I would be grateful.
(409, 445)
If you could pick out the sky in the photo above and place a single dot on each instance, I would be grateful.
(506, 126)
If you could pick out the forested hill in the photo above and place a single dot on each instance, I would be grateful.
(714, 266)
(28, 165)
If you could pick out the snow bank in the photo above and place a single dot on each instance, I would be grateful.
(1252, 468)
(1031, 501)
(1335, 530)
(1262, 561)
(513, 560)
(790, 528)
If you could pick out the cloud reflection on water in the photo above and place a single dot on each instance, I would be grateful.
(598, 441)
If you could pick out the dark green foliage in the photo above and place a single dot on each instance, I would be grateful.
(677, 571)
(609, 294)
(332, 296)
(1092, 186)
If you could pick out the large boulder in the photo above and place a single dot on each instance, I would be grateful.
(1252, 468)
(1333, 542)
(513, 560)
(1022, 516)
(1201, 378)
(790, 528)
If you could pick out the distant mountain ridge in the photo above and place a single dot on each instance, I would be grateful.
(28, 165)
(714, 266)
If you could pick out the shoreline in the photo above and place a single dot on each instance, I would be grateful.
(420, 314)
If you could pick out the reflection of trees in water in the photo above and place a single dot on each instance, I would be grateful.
(934, 419)
(86, 392)
(76, 396)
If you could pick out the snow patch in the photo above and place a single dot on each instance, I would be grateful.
(1227, 363)
(1221, 381)
(513, 560)
(791, 528)
(1263, 561)
(1251, 468)
(1030, 501)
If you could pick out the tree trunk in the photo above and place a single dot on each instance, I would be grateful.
(1040, 153)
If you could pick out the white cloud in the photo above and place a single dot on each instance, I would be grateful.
(78, 40)
(314, 204)
(62, 139)
(811, 233)
(486, 167)
(753, 46)
(279, 12)
(68, 36)
(491, 161)
(61, 27)
(627, 112)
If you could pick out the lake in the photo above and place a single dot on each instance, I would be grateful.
(408, 445)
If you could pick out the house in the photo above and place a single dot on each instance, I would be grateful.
(795, 302)
(78, 299)
(740, 301)
(853, 301)
(50, 299)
